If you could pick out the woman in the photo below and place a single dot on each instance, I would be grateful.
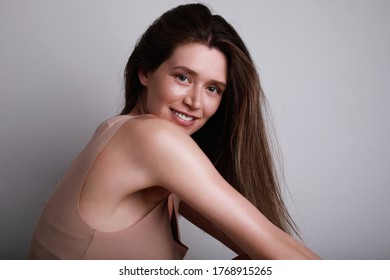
(189, 74)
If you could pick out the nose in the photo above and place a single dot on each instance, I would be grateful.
(193, 98)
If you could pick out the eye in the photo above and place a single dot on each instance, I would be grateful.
(183, 78)
(213, 89)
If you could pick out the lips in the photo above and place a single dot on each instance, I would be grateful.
(183, 118)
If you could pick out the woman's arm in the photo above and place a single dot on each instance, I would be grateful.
(170, 158)
(201, 222)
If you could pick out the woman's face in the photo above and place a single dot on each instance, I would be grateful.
(187, 88)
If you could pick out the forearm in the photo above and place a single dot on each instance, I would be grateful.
(277, 243)
(263, 240)
(198, 220)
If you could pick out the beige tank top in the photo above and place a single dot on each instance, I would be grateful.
(61, 233)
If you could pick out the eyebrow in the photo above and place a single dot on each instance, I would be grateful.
(194, 73)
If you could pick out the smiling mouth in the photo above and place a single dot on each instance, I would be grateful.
(182, 116)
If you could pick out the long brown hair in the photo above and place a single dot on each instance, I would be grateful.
(236, 138)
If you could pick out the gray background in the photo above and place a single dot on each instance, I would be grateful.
(324, 66)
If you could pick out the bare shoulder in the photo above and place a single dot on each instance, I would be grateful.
(147, 133)
(148, 125)
(162, 151)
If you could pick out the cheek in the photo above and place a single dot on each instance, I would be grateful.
(168, 92)
(158, 96)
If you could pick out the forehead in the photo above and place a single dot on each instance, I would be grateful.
(207, 62)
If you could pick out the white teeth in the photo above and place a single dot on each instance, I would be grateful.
(183, 117)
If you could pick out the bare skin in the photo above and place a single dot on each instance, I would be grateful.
(153, 155)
